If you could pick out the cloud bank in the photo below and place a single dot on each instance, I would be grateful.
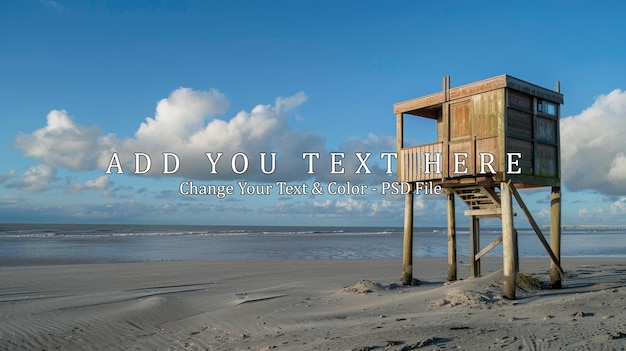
(100, 183)
(36, 178)
(185, 123)
(593, 146)
(189, 123)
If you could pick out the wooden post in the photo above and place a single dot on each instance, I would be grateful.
(555, 236)
(445, 117)
(407, 252)
(399, 145)
(556, 272)
(508, 243)
(451, 239)
(474, 246)
(516, 253)
(407, 256)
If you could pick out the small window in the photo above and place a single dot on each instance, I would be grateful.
(546, 107)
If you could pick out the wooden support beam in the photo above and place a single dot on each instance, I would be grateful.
(509, 284)
(407, 256)
(555, 237)
(445, 119)
(556, 261)
(487, 212)
(515, 236)
(399, 144)
(451, 239)
(419, 104)
(488, 248)
(474, 245)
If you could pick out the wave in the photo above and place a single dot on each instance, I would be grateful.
(139, 232)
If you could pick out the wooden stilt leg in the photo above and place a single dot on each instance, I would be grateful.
(451, 239)
(555, 236)
(407, 260)
(474, 246)
(508, 243)
(516, 253)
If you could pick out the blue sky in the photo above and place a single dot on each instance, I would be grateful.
(80, 80)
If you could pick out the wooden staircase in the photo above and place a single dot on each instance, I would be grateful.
(481, 201)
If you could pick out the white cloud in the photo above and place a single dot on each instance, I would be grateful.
(100, 183)
(370, 206)
(594, 213)
(180, 116)
(419, 203)
(36, 178)
(618, 168)
(188, 123)
(619, 206)
(593, 145)
(62, 143)
(4, 177)
(351, 204)
(184, 124)
(544, 213)
(285, 104)
(335, 208)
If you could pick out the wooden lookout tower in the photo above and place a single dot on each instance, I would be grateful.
(493, 137)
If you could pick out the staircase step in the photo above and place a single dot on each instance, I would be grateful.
(481, 201)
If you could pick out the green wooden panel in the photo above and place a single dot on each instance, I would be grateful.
(526, 148)
(519, 124)
(546, 130)
(546, 160)
(520, 100)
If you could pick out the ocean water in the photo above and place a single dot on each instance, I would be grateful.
(31, 243)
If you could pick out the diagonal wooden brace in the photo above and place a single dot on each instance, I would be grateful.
(532, 222)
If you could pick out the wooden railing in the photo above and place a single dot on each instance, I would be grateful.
(411, 163)
(412, 160)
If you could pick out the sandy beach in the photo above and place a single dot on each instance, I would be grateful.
(308, 305)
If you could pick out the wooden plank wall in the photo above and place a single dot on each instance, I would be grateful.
(535, 135)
